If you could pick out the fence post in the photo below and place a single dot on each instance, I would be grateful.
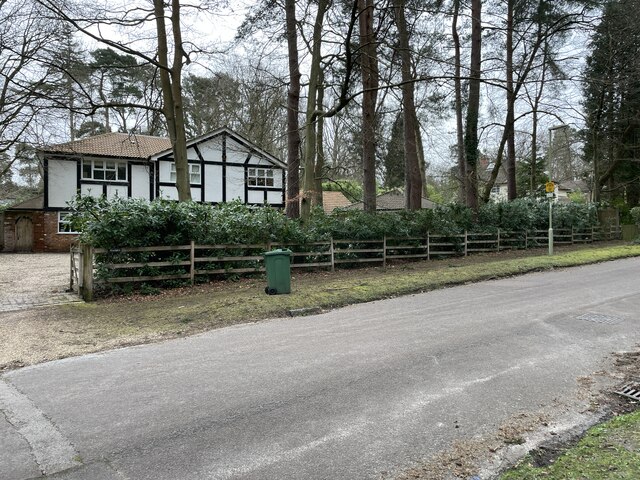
(384, 252)
(193, 263)
(572, 236)
(466, 243)
(87, 273)
(498, 242)
(333, 256)
(71, 254)
(428, 248)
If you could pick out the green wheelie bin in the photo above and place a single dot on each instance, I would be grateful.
(278, 266)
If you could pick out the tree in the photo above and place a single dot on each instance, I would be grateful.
(612, 103)
(309, 194)
(462, 170)
(370, 84)
(413, 177)
(293, 107)
(393, 159)
(473, 107)
(26, 38)
(168, 57)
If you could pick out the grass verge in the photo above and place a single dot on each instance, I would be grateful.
(608, 451)
(38, 335)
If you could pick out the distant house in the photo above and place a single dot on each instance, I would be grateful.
(333, 200)
(390, 201)
(223, 166)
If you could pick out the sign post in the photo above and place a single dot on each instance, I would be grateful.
(550, 188)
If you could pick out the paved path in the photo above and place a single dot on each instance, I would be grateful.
(29, 280)
(348, 394)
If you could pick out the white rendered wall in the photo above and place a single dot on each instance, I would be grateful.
(212, 150)
(213, 183)
(236, 153)
(235, 183)
(62, 179)
(140, 181)
(274, 198)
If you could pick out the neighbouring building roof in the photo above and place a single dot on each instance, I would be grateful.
(119, 145)
(573, 185)
(333, 200)
(393, 200)
(36, 203)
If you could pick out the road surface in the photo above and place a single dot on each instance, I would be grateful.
(360, 392)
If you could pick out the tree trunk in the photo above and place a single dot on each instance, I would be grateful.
(369, 98)
(319, 169)
(473, 108)
(170, 79)
(510, 123)
(309, 178)
(293, 106)
(412, 175)
(462, 175)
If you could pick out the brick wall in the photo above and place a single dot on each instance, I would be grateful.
(45, 232)
(54, 241)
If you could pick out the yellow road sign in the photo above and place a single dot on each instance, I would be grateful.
(550, 187)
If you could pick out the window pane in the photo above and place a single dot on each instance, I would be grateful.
(270, 173)
(172, 177)
(269, 182)
(122, 171)
(195, 178)
(252, 172)
(86, 169)
(111, 165)
(110, 175)
(194, 168)
(98, 174)
(173, 168)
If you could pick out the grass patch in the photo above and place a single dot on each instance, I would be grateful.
(38, 335)
(608, 451)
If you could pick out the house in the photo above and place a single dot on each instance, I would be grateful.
(223, 166)
(333, 200)
(390, 201)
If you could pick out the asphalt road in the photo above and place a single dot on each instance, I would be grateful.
(349, 394)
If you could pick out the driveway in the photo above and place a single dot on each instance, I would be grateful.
(360, 392)
(29, 280)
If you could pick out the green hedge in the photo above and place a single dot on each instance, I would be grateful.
(120, 223)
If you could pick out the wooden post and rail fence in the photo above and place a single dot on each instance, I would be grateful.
(93, 267)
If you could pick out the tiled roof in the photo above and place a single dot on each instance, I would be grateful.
(393, 200)
(333, 200)
(120, 145)
(36, 203)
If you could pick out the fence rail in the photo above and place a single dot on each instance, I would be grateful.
(98, 266)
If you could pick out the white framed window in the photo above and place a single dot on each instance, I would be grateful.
(64, 223)
(495, 190)
(260, 177)
(106, 170)
(194, 173)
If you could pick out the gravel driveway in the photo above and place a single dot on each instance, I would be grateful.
(30, 280)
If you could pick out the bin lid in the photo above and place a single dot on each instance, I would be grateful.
(279, 251)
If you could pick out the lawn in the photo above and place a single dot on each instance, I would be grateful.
(608, 451)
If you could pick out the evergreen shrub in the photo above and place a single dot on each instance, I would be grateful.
(120, 223)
